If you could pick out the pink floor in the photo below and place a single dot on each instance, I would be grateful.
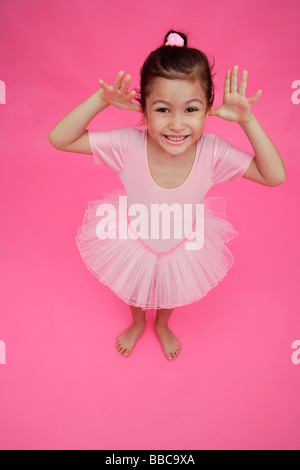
(63, 386)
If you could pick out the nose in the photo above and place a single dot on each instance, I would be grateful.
(177, 122)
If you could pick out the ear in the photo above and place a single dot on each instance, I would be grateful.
(145, 117)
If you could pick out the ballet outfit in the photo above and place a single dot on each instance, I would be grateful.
(161, 270)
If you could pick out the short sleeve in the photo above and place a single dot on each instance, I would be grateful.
(228, 162)
(109, 147)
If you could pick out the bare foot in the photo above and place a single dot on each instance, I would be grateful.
(168, 340)
(128, 339)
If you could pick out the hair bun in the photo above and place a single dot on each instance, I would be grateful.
(175, 38)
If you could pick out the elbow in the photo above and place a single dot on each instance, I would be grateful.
(280, 180)
(283, 177)
(283, 174)
(53, 141)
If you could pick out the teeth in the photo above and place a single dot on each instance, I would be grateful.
(176, 139)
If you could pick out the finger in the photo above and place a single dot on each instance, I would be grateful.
(255, 97)
(104, 85)
(136, 107)
(234, 79)
(131, 95)
(126, 83)
(212, 112)
(118, 79)
(227, 82)
(243, 83)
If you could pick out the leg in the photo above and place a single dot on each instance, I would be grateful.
(127, 340)
(168, 340)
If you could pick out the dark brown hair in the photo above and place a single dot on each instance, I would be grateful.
(175, 62)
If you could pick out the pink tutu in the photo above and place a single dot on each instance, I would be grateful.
(148, 279)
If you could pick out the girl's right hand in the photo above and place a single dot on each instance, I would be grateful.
(118, 95)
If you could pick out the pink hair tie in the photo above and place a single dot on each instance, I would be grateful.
(175, 39)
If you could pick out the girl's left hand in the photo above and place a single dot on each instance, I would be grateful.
(235, 107)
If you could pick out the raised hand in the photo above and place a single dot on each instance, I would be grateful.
(118, 94)
(235, 107)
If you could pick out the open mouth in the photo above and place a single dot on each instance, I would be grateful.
(176, 139)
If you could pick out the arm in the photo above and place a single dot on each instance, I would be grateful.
(70, 133)
(267, 159)
(267, 167)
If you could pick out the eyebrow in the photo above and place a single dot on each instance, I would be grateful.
(166, 102)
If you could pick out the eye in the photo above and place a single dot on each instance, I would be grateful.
(192, 110)
(162, 110)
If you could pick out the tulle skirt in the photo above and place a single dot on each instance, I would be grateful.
(144, 278)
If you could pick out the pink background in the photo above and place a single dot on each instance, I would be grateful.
(64, 386)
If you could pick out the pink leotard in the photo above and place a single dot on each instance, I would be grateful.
(160, 272)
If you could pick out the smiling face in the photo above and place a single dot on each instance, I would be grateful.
(175, 114)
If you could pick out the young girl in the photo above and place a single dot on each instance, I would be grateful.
(169, 166)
